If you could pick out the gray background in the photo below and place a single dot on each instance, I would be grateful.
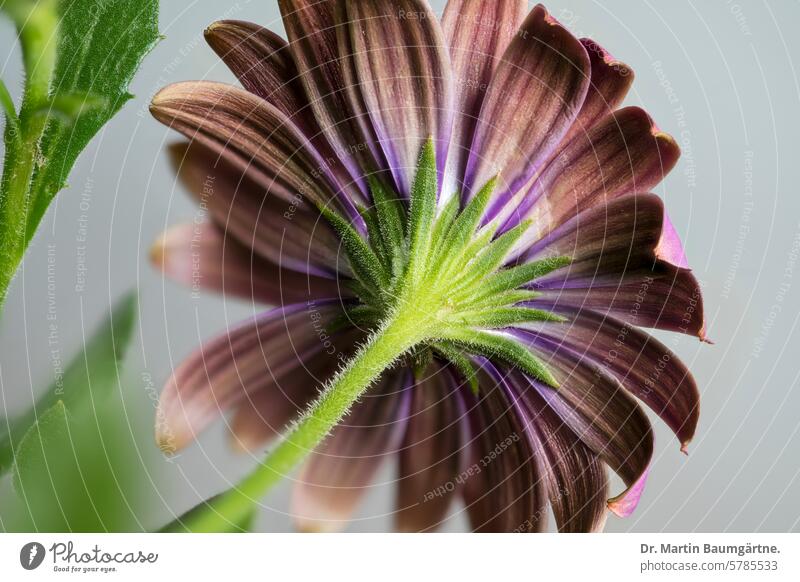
(719, 75)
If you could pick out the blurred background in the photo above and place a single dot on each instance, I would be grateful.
(719, 75)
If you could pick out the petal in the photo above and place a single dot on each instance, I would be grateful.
(254, 356)
(430, 456)
(253, 135)
(600, 412)
(397, 66)
(670, 248)
(609, 84)
(503, 490)
(264, 64)
(617, 268)
(544, 73)
(199, 256)
(338, 473)
(644, 366)
(623, 154)
(477, 33)
(291, 235)
(312, 31)
(576, 480)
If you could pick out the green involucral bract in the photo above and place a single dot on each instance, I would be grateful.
(430, 280)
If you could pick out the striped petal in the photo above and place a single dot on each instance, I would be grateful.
(396, 66)
(264, 64)
(503, 489)
(253, 135)
(292, 235)
(339, 472)
(609, 84)
(312, 30)
(576, 480)
(618, 268)
(623, 154)
(601, 413)
(477, 33)
(544, 75)
(254, 356)
(645, 367)
(430, 458)
(200, 256)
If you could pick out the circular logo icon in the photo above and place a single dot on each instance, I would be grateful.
(31, 555)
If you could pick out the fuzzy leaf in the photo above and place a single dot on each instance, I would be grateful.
(506, 317)
(493, 345)
(100, 48)
(510, 279)
(365, 263)
(460, 362)
(423, 207)
(391, 215)
(91, 376)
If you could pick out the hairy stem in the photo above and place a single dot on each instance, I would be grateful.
(401, 332)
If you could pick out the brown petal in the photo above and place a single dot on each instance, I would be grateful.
(338, 473)
(311, 27)
(533, 98)
(396, 66)
(253, 135)
(478, 33)
(256, 355)
(623, 154)
(430, 455)
(576, 479)
(503, 489)
(199, 256)
(600, 412)
(292, 235)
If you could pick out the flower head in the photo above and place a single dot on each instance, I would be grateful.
(455, 223)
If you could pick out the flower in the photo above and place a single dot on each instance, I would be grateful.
(455, 222)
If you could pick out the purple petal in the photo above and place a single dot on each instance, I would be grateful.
(396, 66)
(600, 412)
(503, 490)
(534, 96)
(199, 256)
(292, 235)
(477, 34)
(430, 458)
(312, 29)
(264, 64)
(576, 479)
(644, 366)
(256, 355)
(623, 154)
(254, 136)
(609, 84)
(617, 269)
(338, 473)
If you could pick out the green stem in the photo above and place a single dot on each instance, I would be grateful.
(37, 23)
(386, 345)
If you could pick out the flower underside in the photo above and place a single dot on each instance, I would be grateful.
(444, 273)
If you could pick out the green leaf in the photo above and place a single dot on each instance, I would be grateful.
(366, 265)
(51, 430)
(423, 209)
(493, 345)
(506, 317)
(7, 104)
(73, 87)
(101, 45)
(510, 279)
(460, 362)
(91, 376)
(391, 214)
